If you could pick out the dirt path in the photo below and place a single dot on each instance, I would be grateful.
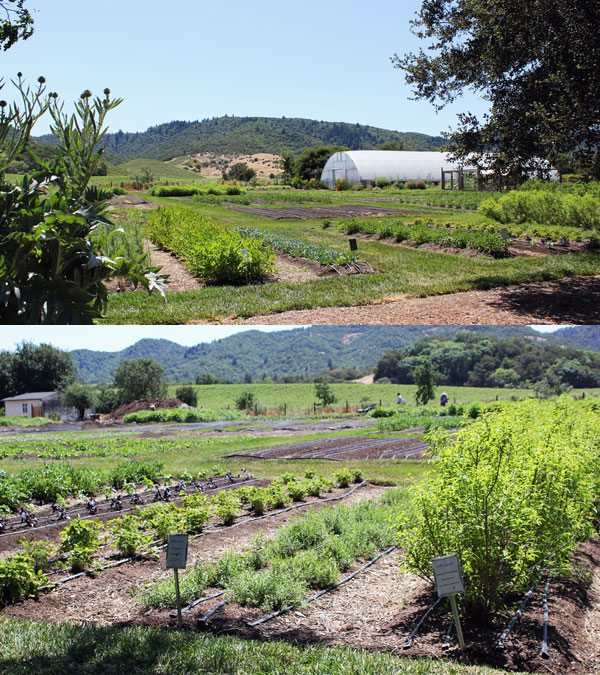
(565, 301)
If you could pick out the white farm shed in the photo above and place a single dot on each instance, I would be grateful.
(32, 404)
(365, 166)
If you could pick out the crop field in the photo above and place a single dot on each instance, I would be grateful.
(417, 266)
(286, 545)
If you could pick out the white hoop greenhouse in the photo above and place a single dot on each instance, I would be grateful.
(364, 166)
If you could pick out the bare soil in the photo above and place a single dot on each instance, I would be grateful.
(344, 449)
(377, 610)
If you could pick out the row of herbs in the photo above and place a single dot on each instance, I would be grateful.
(419, 233)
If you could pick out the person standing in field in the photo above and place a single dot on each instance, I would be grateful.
(399, 399)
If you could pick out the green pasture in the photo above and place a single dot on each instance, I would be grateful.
(299, 398)
(400, 271)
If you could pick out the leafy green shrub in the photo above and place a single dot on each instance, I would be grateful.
(194, 519)
(214, 253)
(515, 494)
(79, 532)
(277, 495)
(168, 521)
(342, 184)
(227, 506)
(246, 400)
(382, 182)
(129, 538)
(343, 477)
(52, 269)
(19, 580)
(38, 551)
(187, 394)
(296, 490)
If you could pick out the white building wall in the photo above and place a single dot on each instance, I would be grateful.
(16, 408)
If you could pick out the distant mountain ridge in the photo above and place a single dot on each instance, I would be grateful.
(251, 135)
(301, 352)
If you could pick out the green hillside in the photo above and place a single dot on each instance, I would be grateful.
(300, 352)
(246, 135)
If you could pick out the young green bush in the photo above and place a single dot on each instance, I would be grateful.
(129, 538)
(267, 589)
(19, 579)
(515, 493)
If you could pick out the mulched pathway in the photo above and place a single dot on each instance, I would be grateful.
(566, 301)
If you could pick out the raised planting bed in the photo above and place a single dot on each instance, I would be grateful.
(344, 449)
(316, 212)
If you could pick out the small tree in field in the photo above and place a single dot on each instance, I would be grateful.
(425, 380)
(80, 396)
(139, 378)
(187, 394)
(323, 391)
(245, 401)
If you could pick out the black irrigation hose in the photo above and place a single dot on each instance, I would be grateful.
(100, 569)
(206, 617)
(446, 643)
(409, 642)
(502, 640)
(544, 650)
(345, 580)
(197, 602)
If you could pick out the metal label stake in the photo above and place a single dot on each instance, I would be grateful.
(449, 582)
(177, 548)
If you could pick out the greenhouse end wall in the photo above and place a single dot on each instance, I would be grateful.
(365, 166)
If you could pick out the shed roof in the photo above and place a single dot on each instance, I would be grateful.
(34, 395)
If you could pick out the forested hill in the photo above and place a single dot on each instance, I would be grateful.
(248, 135)
(300, 352)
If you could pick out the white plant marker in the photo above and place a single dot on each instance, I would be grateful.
(449, 582)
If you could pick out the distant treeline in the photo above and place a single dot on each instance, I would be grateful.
(483, 361)
(248, 135)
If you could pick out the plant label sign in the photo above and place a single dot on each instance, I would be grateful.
(448, 575)
(177, 548)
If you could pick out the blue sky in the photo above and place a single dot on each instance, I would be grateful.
(115, 338)
(189, 60)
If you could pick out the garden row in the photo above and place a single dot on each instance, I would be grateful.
(490, 243)
(25, 573)
(233, 256)
(309, 552)
(299, 249)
